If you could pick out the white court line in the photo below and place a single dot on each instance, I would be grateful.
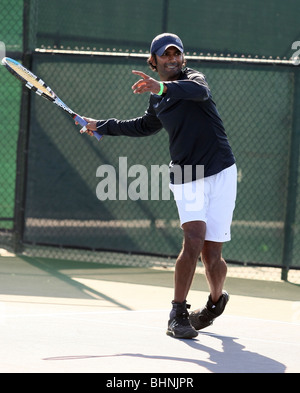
(37, 315)
(252, 339)
(133, 325)
(204, 333)
(262, 320)
(201, 334)
(74, 315)
(122, 312)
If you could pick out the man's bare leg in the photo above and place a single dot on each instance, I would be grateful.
(215, 268)
(194, 235)
(179, 325)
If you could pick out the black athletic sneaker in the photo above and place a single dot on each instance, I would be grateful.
(179, 325)
(205, 317)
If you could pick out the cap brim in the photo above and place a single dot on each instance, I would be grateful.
(161, 50)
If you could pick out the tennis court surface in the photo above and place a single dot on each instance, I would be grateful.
(72, 317)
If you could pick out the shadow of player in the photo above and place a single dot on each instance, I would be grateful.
(233, 358)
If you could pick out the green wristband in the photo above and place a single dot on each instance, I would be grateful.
(162, 86)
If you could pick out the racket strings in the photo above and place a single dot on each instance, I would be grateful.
(32, 81)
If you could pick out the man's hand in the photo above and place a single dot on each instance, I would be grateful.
(91, 126)
(147, 84)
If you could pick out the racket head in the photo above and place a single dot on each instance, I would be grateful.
(30, 80)
(37, 85)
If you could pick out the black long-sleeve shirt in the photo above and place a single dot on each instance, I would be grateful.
(189, 115)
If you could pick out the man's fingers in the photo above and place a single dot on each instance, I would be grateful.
(90, 133)
(86, 131)
(90, 127)
(141, 83)
(144, 86)
(140, 73)
(87, 119)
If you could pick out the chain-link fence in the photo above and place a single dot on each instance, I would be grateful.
(52, 203)
(62, 207)
(10, 95)
(249, 28)
(11, 38)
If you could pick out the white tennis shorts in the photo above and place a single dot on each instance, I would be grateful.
(210, 199)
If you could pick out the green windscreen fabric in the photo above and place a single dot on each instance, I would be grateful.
(253, 28)
(11, 37)
(62, 207)
(61, 169)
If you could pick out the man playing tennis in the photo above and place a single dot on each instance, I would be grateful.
(182, 104)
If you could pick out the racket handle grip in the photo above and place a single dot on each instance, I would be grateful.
(97, 135)
(83, 123)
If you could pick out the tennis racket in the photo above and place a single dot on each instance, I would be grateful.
(37, 85)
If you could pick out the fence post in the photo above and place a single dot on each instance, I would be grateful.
(291, 203)
(165, 16)
(22, 145)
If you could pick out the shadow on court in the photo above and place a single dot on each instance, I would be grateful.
(232, 358)
(31, 276)
(66, 316)
(38, 276)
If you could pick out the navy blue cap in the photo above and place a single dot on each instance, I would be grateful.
(163, 41)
